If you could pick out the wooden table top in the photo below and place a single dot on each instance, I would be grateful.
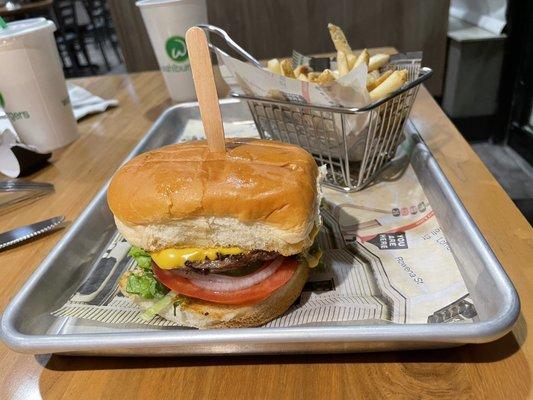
(25, 8)
(495, 370)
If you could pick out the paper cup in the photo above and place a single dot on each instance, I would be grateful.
(166, 22)
(33, 91)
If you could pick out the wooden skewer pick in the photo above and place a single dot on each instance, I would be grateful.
(206, 91)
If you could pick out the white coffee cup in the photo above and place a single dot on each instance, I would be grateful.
(33, 91)
(166, 22)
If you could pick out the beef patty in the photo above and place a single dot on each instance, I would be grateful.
(230, 262)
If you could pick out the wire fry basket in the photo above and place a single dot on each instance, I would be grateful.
(324, 130)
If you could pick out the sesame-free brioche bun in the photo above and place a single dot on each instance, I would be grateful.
(202, 314)
(260, 195)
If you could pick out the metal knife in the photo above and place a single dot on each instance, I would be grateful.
(23, 233)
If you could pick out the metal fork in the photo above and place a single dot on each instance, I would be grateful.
(16, 192)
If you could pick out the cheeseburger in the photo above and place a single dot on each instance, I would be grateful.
(220, 240)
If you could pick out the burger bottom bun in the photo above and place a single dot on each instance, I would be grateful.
(204, 314)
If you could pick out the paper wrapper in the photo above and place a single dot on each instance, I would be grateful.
(388, 263)
(348, 91)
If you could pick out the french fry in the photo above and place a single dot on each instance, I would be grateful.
(342, 63)
(389, 85)
(301, 70)
(339, 39)
(325, 77)
(378, 85)
(273, 66)
(373, 75)
(351, 58)
(377, 61)
(371, 78)
(379, 80)
(286, 68)
(363, 57)
(313, 76)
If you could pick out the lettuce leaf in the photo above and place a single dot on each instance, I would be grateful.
(142, 281)
(145, 285)
(142, 258)
(170, 298)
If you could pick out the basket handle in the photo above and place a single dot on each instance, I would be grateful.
(230, 42)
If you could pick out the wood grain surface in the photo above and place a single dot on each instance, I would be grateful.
(498, 370)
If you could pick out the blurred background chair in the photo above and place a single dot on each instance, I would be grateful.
(85, 33)
(71, 40)
(100, 29)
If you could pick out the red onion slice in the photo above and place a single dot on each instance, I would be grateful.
(224, 283)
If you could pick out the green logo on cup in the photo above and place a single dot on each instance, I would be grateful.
(177, 49)
(2, 101)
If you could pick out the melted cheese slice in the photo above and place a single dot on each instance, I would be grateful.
(172, 258)
(175, 258)
(312, 259)
(314, 232)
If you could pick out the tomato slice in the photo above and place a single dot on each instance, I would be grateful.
(250, 295)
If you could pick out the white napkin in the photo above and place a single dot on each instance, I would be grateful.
(9, 164)
(84, 102)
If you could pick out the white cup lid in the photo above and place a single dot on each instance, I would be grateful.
(24, 27)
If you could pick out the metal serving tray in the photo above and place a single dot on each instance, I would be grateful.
(27, 325)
